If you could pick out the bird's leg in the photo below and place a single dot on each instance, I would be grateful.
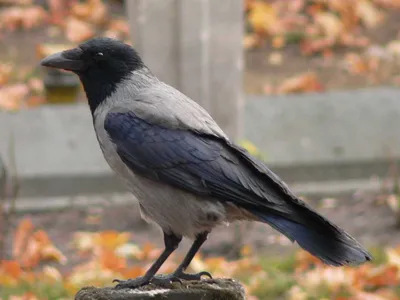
(171, 242)
(179, 272)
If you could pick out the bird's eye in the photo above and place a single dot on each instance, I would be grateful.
(98, 55)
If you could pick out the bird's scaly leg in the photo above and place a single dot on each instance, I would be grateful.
(179, 272)
(171, 242)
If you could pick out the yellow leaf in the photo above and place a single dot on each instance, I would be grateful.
(369, 14)
(275, 58)
(52, 273)
(112, 239)
(128, 250)
(263, 17)
(330, 24)
(84, 241)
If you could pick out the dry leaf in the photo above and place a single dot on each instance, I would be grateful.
(369, 14)
(52, 273)
(12, 96)
(251, 41)
(275, 58)
(24, 230)
(11, 268)
(111, 239)
(92, 11)
(306, 82)
(5, 73)
(330, 24)
(263, 18)
(28, 17)
(120, 26)
(78, 31)
(394, 47)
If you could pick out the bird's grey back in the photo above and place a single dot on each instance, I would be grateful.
(161, 104)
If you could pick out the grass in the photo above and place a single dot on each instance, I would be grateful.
(43, 290)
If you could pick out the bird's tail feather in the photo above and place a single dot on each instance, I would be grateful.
(333, 247)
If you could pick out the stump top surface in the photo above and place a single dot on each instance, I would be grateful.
(211, 289)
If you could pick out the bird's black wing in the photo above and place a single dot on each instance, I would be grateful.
(211, 166)
(202, 164)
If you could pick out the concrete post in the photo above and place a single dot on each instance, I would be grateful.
(195, 46)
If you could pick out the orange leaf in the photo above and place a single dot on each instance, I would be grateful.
(112, 239)
(305, 82)
(11, 268)
(383, 276)
(111, 261)
(133, 272)
(78, 31)
(24, 230)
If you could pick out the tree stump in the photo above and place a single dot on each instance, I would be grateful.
(211, 289)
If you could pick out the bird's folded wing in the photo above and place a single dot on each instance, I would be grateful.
(202, 164)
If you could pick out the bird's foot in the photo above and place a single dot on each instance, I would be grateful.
(131, 283)
(192, 277)
(159, 280)
(167, 280)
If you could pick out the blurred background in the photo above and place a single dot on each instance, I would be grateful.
(308, 86)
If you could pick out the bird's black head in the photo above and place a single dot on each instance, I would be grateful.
(101, 63)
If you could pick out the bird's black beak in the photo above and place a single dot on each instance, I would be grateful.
(70, 60)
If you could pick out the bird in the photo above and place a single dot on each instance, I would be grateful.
(186, 173)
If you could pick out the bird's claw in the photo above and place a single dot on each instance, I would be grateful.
(159, 280)
(191, 277)
(165, 280)
(131, 283)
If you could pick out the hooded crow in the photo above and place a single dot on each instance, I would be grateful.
(187, 175)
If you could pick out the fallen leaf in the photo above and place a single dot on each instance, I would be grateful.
(12, 96)
(24, 230)
(78, 31)
(92, 11)
(11, 268)
(278, 42)
(263, 18)
(5, 72)
(52, 273)
(16, 17)
(111, 239)
(394, 47)
(275, 58)
(369, 14)
(330, 24)
(109, 260)
(128, 251)
(305, 82)
(251, 41)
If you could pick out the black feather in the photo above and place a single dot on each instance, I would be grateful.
(208, 165)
